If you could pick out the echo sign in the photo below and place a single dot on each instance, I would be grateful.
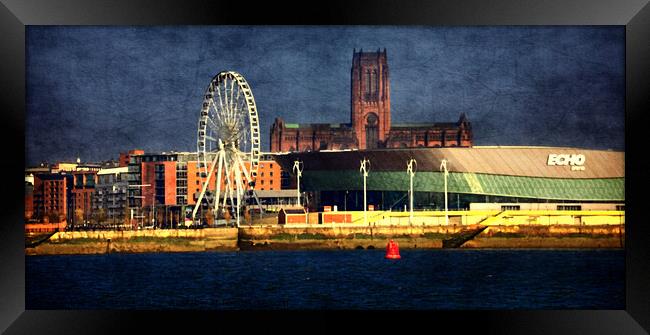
(576, 161)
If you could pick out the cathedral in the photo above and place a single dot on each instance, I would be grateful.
(370, 123)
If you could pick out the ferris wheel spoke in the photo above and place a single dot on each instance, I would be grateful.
(226, 104)
(232, 92)
(231, 112)
(220, 99)
(210, 138)
(213, 126)
(214, 111)
(237, 107)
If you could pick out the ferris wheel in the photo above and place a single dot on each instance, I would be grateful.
(228, 141)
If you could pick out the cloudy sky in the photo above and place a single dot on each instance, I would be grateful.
(95, 91)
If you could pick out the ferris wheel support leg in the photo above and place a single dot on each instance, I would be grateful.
(205, 186)
(215, 211)
(249, 180)
(240, 188)
(229, 183)
(226, 191)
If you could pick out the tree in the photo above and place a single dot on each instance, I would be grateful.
(247, 215)
(127, 216)
(53, 217)
(226, 215)
(101, 215)
(209, 217)
(79, 215)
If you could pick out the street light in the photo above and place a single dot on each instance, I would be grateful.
(443, 166)
(298, 166)
(345, 207)
(411, 171)
(365, 166)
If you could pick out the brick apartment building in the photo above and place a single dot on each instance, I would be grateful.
(52, 197)
(370, 124)
(83, 191)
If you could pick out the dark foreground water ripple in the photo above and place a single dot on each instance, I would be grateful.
(359, 279)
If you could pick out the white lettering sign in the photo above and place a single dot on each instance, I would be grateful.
(574, 160)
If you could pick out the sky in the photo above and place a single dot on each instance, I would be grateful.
(96, 91)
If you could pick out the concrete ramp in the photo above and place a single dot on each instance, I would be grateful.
(462, 237)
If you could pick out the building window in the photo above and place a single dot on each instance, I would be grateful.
(510, 208)
(368, 82)
(375, 84)
(569, 208)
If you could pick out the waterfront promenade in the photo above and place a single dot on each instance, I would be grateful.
(503, 229)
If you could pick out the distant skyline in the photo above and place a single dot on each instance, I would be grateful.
(93, 92)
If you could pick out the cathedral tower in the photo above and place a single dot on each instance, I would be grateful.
(370, 114)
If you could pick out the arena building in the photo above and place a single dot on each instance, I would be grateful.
(475, 175)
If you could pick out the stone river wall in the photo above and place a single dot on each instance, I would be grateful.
(276, 237)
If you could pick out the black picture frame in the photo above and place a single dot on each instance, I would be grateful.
(634, 15)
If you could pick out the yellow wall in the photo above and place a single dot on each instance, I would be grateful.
(486, 217)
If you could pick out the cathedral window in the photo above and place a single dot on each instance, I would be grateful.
(372, 131)
(367, 82)
(375, 84)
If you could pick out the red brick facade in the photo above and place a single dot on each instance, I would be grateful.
(51, 196)
(83, 190)
(370, 119)
(126, 156)
(162, 176)
(29, 201)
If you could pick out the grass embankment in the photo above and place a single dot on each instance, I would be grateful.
(137, 242)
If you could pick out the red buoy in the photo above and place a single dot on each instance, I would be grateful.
(392, 250)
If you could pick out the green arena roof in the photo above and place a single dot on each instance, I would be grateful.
(596, 189)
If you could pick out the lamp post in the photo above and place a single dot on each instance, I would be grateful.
(365, 166)
(345, 207)
(153, 206)
(297, 168)
(443, 167)
(411, 172)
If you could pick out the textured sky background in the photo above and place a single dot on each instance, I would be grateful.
(95, 91)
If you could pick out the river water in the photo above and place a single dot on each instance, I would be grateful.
(349, 279)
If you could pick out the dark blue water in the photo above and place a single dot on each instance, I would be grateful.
(359, 279)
